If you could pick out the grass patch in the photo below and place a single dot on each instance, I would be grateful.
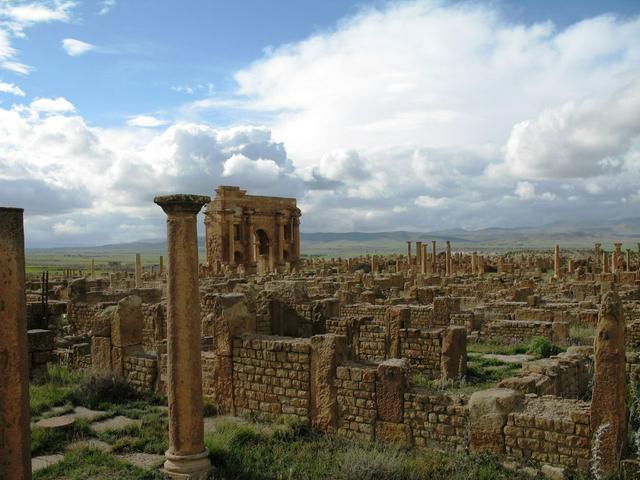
(498, 348)
(57, 391)
(248, 451)
(580, 335)
(148, 436)
(96, 465)
(52, 440)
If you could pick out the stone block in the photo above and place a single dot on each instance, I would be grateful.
(327, 351)
(391, 384)
(488, 411)
(101, 355)
(40, 340)
(127, 322)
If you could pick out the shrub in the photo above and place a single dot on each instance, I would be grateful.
(100, 389)
(542, 347)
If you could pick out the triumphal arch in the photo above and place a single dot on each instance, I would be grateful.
(261, 234)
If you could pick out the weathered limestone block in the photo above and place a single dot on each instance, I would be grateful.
(118, 355)
(608, 405)
(560, 332)
(396, 318)
(101, 355)
(78, 290)
(223, 384)
(488, 411)
(327, 352)
(453, 362)
(391, 383)
(233, 319)
(101, 325)
(127, 322)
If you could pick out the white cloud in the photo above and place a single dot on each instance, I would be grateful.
(75, 47)
(15, 17)
(52, 105)
(146, 121)
(68, 227)
(11, 88)
(577, 139)
(427, 201)
(527, 191)
(106, 6)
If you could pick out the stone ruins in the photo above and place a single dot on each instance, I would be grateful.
(378, 348)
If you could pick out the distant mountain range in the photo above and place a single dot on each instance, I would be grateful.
(576, 235)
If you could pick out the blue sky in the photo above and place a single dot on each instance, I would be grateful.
(414, 115)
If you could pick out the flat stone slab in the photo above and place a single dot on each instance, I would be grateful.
(520, 358)
(147, 461)
(115, 423)
(64, 421)
(44, 461)
(87, 414)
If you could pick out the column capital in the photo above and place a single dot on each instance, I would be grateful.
(181, 203)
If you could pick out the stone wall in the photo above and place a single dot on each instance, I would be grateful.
(437, 419)
(141, 371)
(550, 430)
(271, 376)
(523, 331)
(567, 375)
(356, 393)
(423, 349)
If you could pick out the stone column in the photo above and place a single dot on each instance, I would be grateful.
(597, 253)
(187, 457)
(605, 262)
(556, 262)
(409, 261)
(608, 404)
(424, 258)
(138, 271)
(296, 238)
(419, 256)
(93, 268)
(448, 259)
(628, 269)
(15, 433)
(251, 241)
(161, 269)
(231, 242)
(474, 263)
(280, 223)
(434, 257)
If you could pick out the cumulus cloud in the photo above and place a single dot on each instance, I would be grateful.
(581, 139)
(481, 122)
(147, 121)
(52, 105)
(11, 88)
(75, 47)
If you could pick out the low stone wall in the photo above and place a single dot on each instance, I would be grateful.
(271, 376)
(437, 420)
(522, 331)
(567, 375)
(423, 349)
(550, 430)
(356, 395)
(141, 371)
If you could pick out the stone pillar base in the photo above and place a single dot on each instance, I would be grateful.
(188, 467)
